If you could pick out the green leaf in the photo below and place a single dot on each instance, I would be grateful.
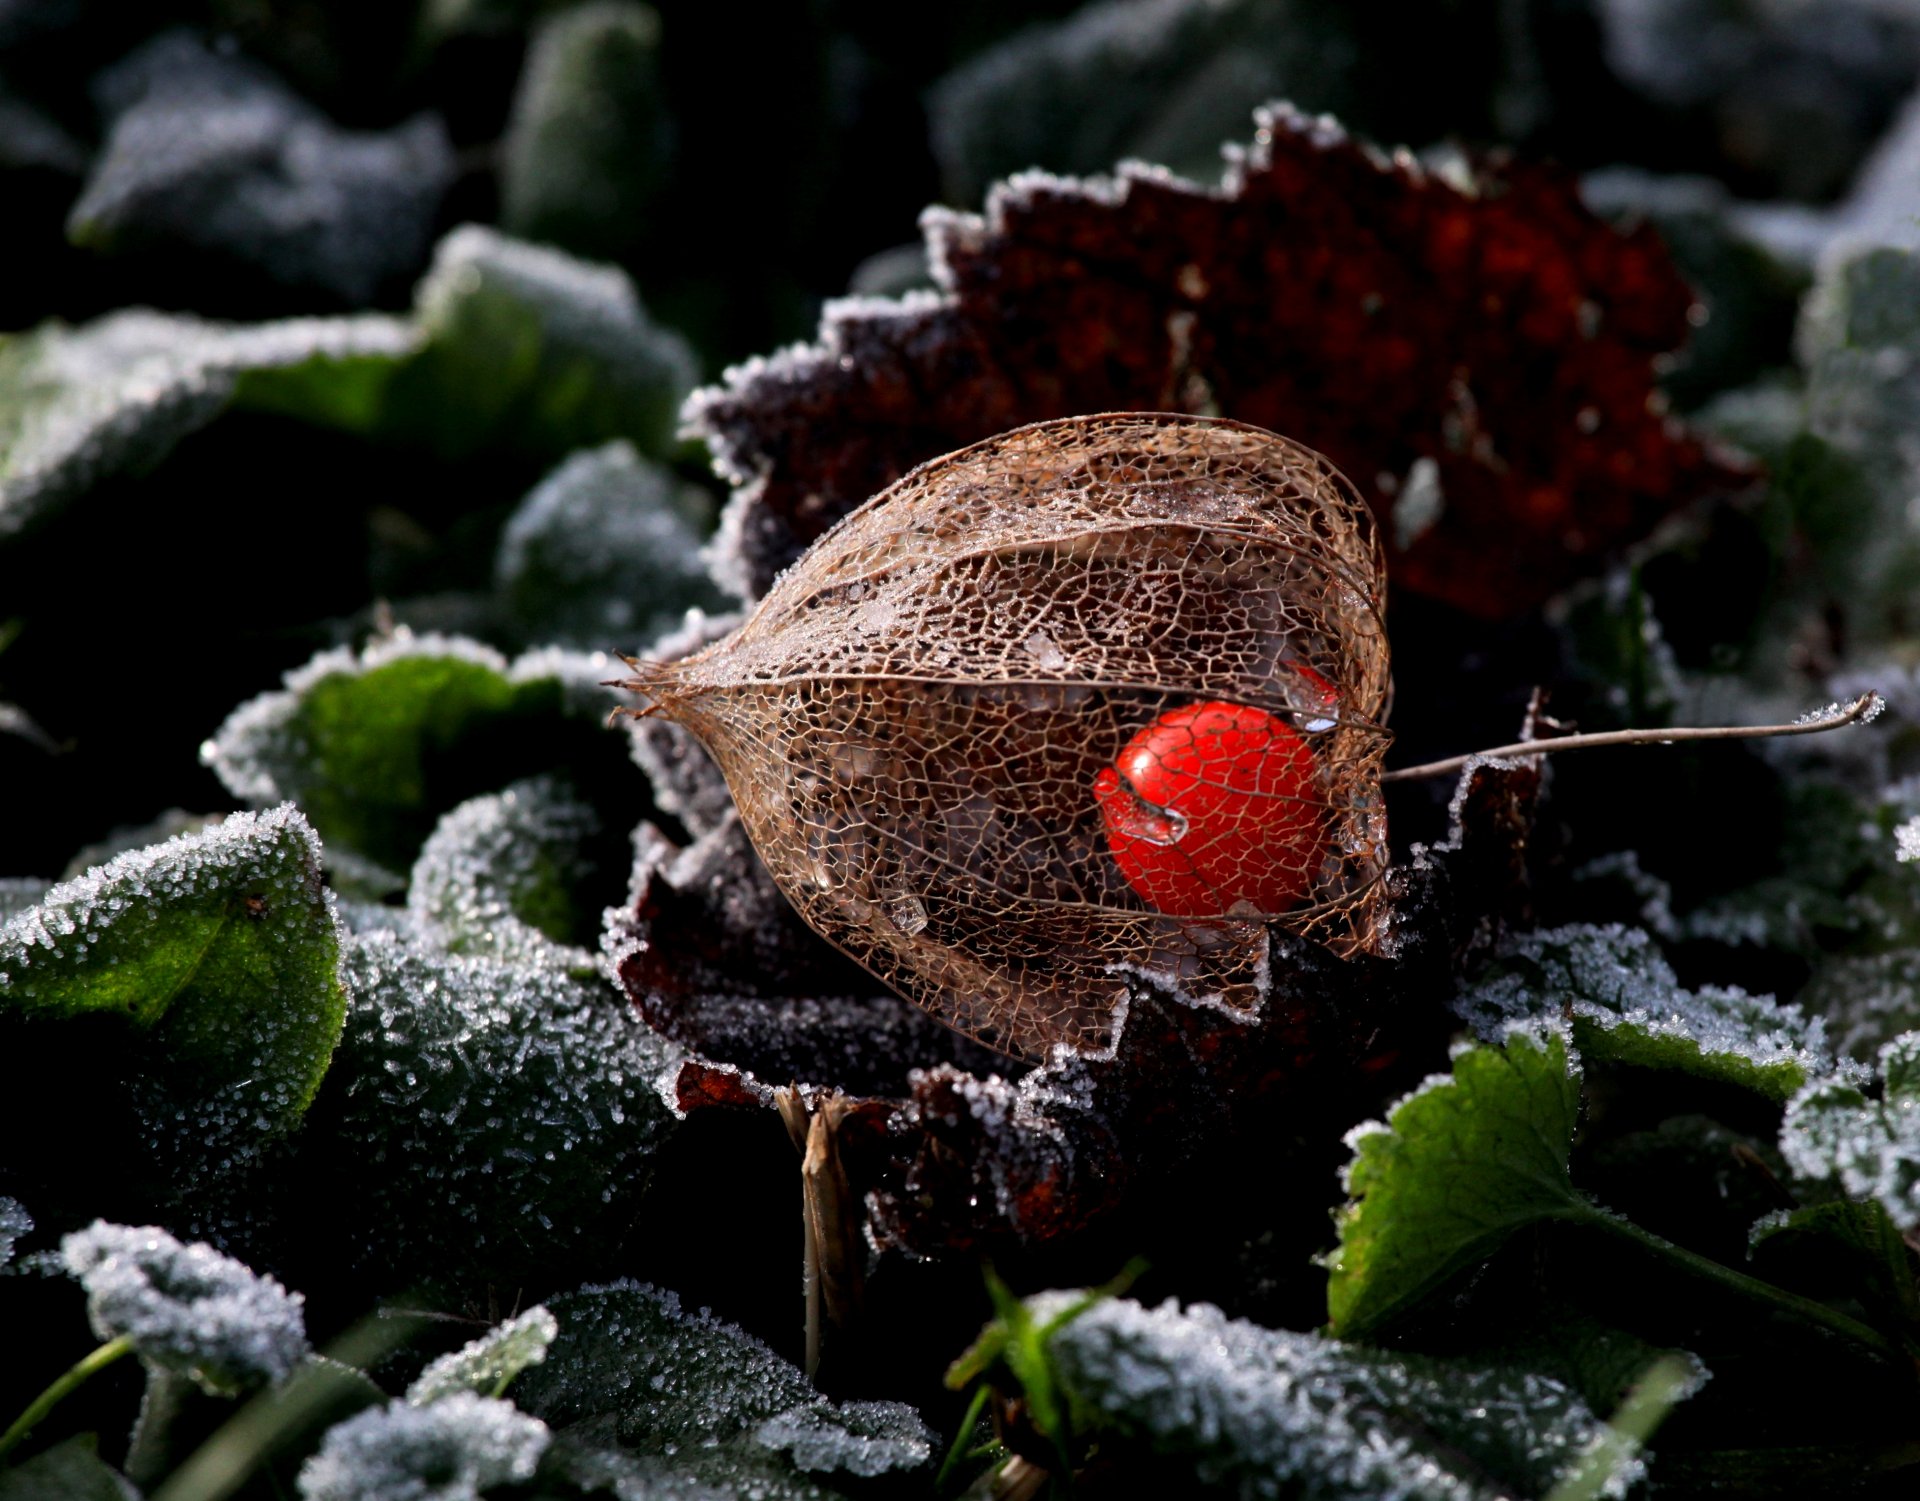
(376, 746)
(79, 405)
(221, 947)
(1461, 1164)
(1841, 887)
(1859, 335)
(603, 553)
(1834, 1130)
(532, 351)
(486, 1366)
(500, 876)
(209, 155)
(1262, 1413)
(71, 1470)
(1850, 1247)
(1626, 1006)
(588, 143)
(486, 1122)
(648, 1389)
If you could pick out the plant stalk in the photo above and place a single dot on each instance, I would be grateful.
(1752, 1289)
(51, 1398)
(1855, 711)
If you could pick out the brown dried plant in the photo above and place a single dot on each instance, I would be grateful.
(916, 719)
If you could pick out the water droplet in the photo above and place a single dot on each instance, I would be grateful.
(907, 913)
(1132, 817)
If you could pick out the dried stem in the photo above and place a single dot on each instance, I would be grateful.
(1855, 711)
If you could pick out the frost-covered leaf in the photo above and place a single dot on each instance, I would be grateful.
(1458, 1166)
(210, 155)
(1866, 999)
(1626, 1006)
(79, 405)
(15, 1224)
(187, 1307)
(71, 1470)
(1841, 886)
(453, 1450)
(1263, 1413)
(169, 825)
(1324, 291)
(1870, 1146)
(531, 350)
(589, 140)
(1788, 97)
(652, 1381)
(487, 1366)
(375, 746)
(1852, 1242)
(602, 555)
(485, 1120)
(500, 875)
(1152, 80)
(1860, 345)
(220, 947)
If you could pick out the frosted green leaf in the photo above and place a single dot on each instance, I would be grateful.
(187, 1307)
(1867, 999)
(1834, 1130)
(490, 1122)
(221, 947)
(487, 1366)
(1162, 80)
(210, 154)
(169, 825)
(69, 1471)
(1626, 1006)
(532, 350)
(589, 139)
(1847, 1243)
(498, 876)
(453, 1450)
(1459, 1165)
(1263, 1413)
(79, 405)
(700, 1403)
(1859, 338)
(1841, 884)
(376, 745)
(602, 554)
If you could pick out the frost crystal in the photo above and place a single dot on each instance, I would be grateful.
(1627, 1005)
(187, 1307)
(1265, 1413)
(488, 1364)
(1906, 841)
(453, 1450)
(1834, 1130)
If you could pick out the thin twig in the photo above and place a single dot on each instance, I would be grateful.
(1856, 711)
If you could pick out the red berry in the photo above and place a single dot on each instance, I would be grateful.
(1217, 806)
